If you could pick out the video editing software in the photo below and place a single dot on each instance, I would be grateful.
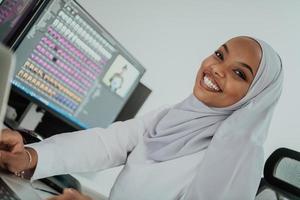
(72, 65)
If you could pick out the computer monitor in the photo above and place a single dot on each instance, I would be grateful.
(71, 66)
(14, 15)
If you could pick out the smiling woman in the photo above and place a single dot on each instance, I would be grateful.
(208, 146)
(225, 77)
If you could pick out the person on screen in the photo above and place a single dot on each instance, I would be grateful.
(208, 146)
(117, 79)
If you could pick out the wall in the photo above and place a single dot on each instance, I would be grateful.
(171, 37)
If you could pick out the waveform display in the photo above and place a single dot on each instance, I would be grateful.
(49, 85)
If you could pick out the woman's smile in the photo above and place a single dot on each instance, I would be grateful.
(208, 83)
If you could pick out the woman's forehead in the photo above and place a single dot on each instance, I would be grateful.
(244, 49)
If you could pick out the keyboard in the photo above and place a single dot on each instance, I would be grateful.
(6, 193)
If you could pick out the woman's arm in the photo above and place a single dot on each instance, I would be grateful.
(87, 150)
(14, 157)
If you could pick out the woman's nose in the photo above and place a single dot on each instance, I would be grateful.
(218, 70)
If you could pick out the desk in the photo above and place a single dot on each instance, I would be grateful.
(30, 187)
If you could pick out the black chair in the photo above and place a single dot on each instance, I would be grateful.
(281, 176)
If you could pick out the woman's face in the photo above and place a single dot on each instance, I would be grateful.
(225, 77)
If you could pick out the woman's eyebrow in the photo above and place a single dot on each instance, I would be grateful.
(225, 47)
(246, 66)
(242, 64)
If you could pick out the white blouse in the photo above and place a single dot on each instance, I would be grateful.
(122, 143)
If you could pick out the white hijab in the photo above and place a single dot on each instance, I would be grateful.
(233, 136)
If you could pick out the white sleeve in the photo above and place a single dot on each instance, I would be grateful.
(230, 170)
(88, 150)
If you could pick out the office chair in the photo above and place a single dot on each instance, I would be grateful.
(281, 176)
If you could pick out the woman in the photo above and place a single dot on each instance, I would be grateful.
(209, 146)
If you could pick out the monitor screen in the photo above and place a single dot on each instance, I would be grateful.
(70, 65)
(12, 15)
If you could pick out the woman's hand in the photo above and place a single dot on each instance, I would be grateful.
(13, 156)
(71, 194)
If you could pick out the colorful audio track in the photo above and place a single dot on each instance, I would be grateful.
(67, 60)
(47, 84)
(74, 27)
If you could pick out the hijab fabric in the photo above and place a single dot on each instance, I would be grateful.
(189, 126)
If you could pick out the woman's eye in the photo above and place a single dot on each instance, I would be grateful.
(241, 74)
(219, 55)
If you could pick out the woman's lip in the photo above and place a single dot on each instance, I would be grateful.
(205, 86)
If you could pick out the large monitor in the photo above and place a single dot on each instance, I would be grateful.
(14, 15)
(70, 65)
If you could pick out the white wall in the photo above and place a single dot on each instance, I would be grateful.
(171, 37)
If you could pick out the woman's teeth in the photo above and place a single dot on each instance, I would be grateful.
(209, 83)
